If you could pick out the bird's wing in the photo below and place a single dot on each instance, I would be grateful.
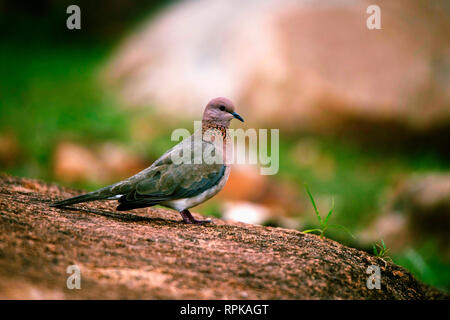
(168, 180)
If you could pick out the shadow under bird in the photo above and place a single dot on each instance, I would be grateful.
(175, 185)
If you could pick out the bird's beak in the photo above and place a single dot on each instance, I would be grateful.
(237, 116)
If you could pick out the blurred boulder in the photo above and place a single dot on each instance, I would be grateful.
(72, 162)
(103, 163)
(246, 212)
(245, 183)
(392, 228)
(417, 208)
(280, 199)
(256, 213)
(316, 61)
(9, 149)
(426, 201)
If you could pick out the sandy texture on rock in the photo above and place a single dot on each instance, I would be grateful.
(150, 254)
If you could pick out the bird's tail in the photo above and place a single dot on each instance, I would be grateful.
(91, 196)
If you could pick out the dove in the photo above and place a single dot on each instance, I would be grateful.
(175, 184)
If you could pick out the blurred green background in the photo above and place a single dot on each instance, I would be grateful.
(54, 103)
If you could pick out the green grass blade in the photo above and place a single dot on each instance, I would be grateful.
(312, 230)
(330, 212)
(375, 251)
(314, 204)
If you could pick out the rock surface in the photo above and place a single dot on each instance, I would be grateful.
(150, 254)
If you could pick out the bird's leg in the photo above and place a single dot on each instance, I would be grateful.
(188, 218)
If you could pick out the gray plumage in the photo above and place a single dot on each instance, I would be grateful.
(175, 185)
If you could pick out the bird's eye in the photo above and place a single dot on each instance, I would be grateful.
(222, 108)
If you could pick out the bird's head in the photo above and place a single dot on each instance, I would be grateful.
(220, 110)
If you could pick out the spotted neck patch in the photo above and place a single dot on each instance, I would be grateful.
(213, 128)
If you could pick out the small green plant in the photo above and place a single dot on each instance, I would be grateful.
(381, 251)
(324, 223)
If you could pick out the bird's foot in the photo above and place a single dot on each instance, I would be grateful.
(195, 221)
(189, 219)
